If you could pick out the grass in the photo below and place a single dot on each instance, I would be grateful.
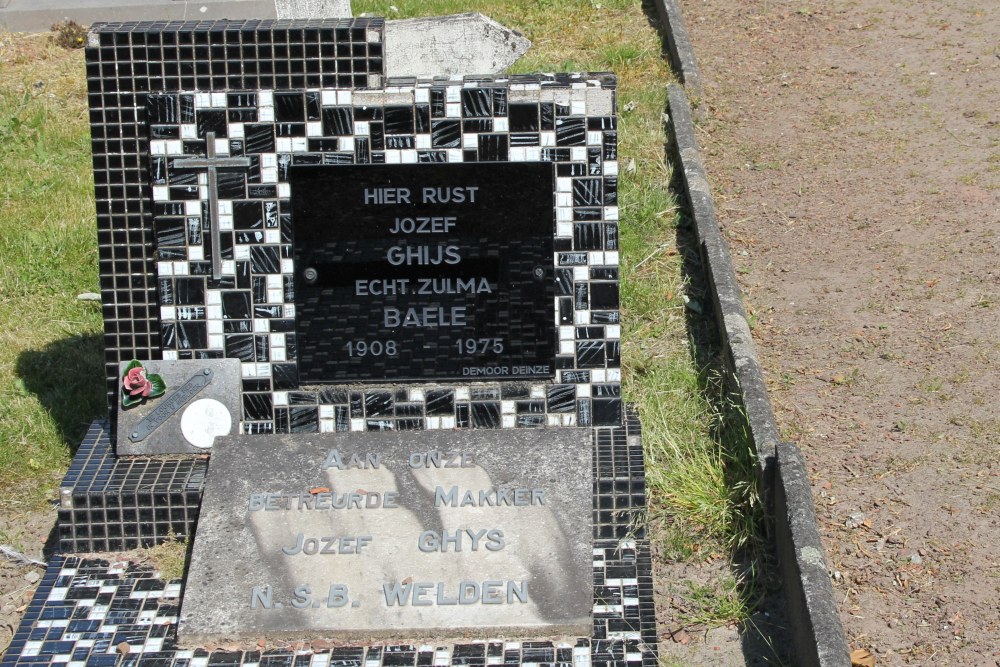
(698, 457)
(50, 354)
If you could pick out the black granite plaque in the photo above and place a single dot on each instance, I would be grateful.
(423, 272)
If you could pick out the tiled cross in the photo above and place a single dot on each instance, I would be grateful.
(213, 163)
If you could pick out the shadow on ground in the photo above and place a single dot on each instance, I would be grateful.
(67, 376)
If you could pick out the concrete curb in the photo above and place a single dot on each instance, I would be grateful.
(815, 623)
(679, 46)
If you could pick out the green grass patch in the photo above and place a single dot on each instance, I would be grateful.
(50, 352)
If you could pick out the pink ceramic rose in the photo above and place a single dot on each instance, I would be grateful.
(136, 383)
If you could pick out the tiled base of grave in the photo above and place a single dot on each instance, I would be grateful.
(86, 612)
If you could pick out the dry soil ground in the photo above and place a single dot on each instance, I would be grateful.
(854, 149)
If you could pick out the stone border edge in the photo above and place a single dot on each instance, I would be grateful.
(679, 45)
(817, 632)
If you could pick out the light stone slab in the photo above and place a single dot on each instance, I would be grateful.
(518, 568)
(450, 46)
(312, 9)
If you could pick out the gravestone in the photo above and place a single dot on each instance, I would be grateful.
(417, 280)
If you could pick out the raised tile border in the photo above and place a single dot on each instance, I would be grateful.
(84, 610)
(96, 613)
(817, 632)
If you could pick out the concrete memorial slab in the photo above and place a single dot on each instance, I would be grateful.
(386, 535)
(200, 400)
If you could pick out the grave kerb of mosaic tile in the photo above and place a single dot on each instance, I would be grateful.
(414, 536)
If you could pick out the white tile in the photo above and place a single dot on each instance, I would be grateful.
(564, 230)
(196, 253)
(266, 115)
(508, 421)
(508, 407)
(470, 140)
(346, 144)
(566, 347)
(462, 394)
(564, 184)
(422, 141)
(499, 124)
(447, 422)
(219, 100)
(300, 145)
(580, 273)
(453, 110)
(357, 424)
(273, 280)
(578, 153)
(433, 423)
(283, 144)
(164, 269)
(216, 342)
(281, 398)
(222, 146)
(284, 191)
(161, 193)
(344, 97)
(328, 98)
(595, 138)
(236, 130)
(262, 325)
(192, 207)
(361, 128)
(279, 354)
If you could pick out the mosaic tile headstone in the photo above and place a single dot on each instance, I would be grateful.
(460, 233)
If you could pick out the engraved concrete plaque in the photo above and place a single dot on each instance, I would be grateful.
(201, 402)
(415, 535)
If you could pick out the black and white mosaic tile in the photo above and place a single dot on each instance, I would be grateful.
(85, 610)
(196, 129)
(249, 311)
(126, 63)
(105, 614)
